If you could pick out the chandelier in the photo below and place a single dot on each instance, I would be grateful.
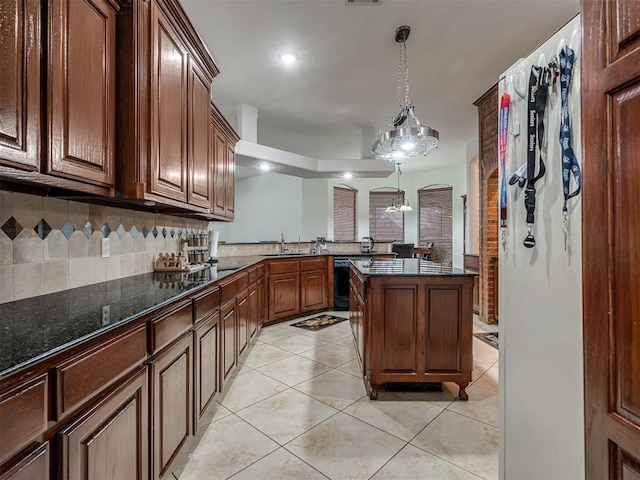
(400, 204)
(406, 136)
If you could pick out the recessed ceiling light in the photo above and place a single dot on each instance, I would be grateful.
(264, 167)
(288, 58)
(347, 175)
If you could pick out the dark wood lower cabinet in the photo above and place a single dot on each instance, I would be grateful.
(207, 372)
(313, 290)
(110, 441)
(33, 465)
(171, 374)
(228, 354)
(254, 309)
(242, 307)
(284, 295)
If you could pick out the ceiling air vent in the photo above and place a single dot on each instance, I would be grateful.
(363, 2)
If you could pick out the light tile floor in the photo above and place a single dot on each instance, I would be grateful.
(297, 409)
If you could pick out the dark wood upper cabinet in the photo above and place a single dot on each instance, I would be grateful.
(200, 154)
(224, 165)
(81, 90)
(165, 145)
(20, 84)
(168, 165)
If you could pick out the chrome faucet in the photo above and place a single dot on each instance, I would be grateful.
(282, 247)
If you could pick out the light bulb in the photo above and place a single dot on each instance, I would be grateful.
(264, 167)
(397, 154)
(408, 146)
(288, 58)
(347, 175)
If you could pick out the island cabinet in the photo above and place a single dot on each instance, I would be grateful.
(413, 322)
(75, 89)
(165, 146)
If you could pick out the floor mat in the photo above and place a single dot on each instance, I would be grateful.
(319, 322)
(489, 338)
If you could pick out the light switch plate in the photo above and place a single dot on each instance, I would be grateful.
(106, 314)
(105, 247)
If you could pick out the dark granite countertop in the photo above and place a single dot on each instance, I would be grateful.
(37, 327)
(407, 267)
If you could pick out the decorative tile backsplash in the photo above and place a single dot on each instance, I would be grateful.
(49, 244)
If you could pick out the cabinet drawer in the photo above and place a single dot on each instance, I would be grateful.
(170, 326)
(228, 291)
(284, 266)
(243, 281)
(23, 414)
(253, 275)
(313, 264)
(205, 304)
(93, 370)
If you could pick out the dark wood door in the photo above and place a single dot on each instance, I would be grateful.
(200, 154)
(611, 235)
(284, 295)
(111, 440)
(313, 290)
(229, 331)
(219, 174)
(243, 322)
(81, 90)
(207, 371)
(230, 172)
(171, 376)
(20, 84)
(168, 165)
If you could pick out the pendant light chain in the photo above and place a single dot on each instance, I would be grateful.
(406, 73)
(403, 68)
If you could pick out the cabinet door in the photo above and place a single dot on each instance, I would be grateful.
(243, 322)
(219, 174)
(81, 90)
(230, 172)
(207, 373)
(254, 309)
(200, 155)
(262, 302)
(171, 374)
(111, 440)
(284, 295)
(229, 330)
(34, 465)
(168, 165)
(313, 290)
(20, 84)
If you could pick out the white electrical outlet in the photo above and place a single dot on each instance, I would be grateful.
(105, 247)
(106, 314)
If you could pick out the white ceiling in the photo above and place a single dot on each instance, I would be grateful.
(345, 78)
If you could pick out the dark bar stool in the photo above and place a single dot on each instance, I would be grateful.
(402, 250)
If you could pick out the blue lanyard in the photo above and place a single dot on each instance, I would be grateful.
(570, 163)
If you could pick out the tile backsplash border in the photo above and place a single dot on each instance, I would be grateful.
(49, 244)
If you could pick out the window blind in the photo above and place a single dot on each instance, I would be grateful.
(385, 226)
(344, 213)
(435, 220)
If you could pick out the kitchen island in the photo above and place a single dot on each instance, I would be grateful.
(412, 322)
